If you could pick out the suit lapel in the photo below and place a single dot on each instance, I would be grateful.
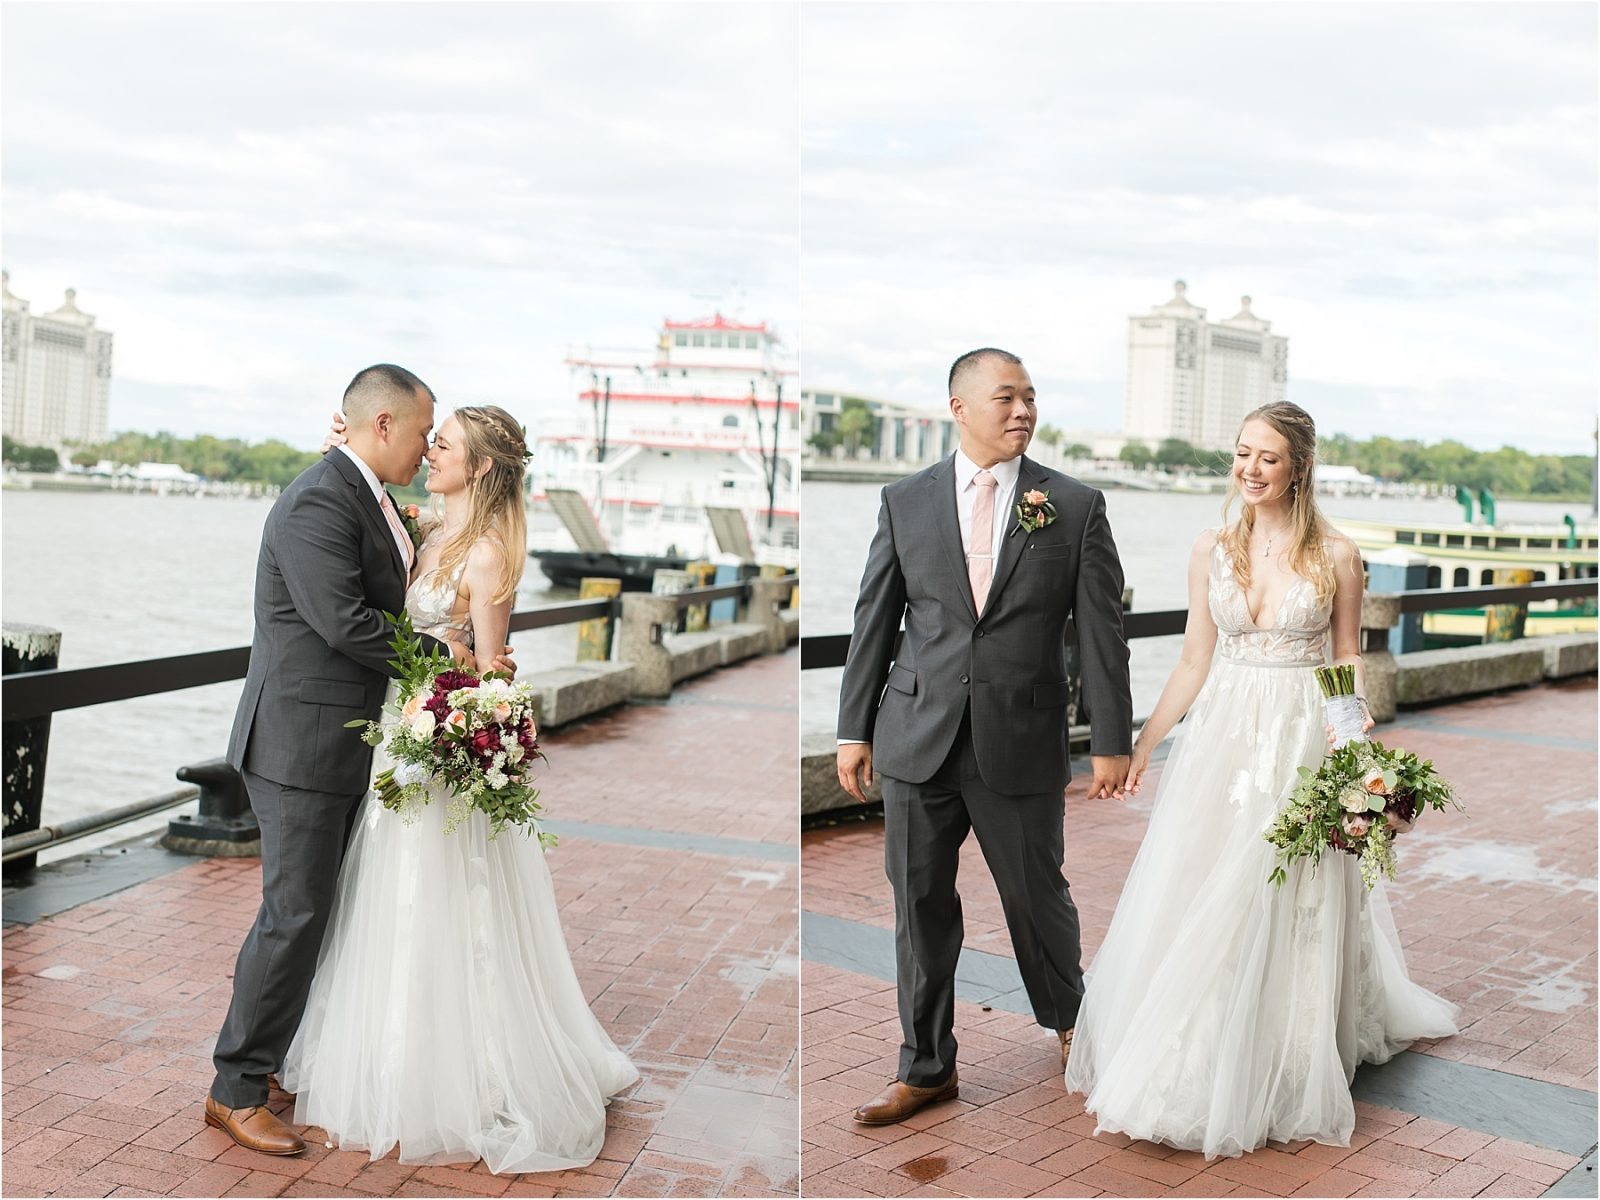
(1030, 476)
(388, 533)
(948, 521)
(377, 523)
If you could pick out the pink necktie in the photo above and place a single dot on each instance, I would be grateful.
(980, 559)
(407, 550)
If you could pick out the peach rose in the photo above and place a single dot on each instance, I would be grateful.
(1034, 498)
(1356, 826)
(457, 719)
(412, 511)
(412, 707)
(1373, 782)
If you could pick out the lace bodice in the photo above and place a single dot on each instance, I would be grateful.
(431, 601)
(1298, 635)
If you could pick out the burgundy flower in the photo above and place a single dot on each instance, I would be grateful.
(448, 681)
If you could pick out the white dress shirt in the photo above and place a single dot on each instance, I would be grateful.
(1005, 478)
(379, 495)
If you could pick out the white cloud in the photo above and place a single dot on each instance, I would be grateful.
(1407, 191)
(259, 199)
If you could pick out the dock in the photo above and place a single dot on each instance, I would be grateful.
(1496, 909)
(678, 880)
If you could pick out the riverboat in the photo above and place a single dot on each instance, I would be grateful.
(685, 451)
(1478, 553)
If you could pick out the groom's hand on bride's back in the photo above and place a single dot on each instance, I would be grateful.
(855, 768)
(1110, 776)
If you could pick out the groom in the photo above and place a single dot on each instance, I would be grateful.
(335, 557)
(985, 556)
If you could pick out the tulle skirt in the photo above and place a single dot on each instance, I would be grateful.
(1222, 1011)
(445, 1017)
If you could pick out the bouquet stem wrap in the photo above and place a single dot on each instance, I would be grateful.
(1346, 716)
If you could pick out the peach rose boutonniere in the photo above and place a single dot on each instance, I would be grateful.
(1034, 512)
(411, 518)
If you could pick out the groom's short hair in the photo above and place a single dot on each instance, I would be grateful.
(973, 359)
(383, 386)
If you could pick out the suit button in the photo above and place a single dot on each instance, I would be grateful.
(964, 679)
(980, 633)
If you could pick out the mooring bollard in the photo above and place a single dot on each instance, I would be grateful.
(225, 826)
(27, 648)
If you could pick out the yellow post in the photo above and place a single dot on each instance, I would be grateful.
(594, 637)
(1507, 622)
(697, 617)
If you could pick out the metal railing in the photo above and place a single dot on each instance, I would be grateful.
(31, 695)
(831, 649)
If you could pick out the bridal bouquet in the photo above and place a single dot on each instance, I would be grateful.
(472, 736)
(1362, 796)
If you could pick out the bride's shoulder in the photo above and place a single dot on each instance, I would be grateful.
(1341, 548)
(1207, 540)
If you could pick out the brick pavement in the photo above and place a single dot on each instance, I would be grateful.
(689, 959)
(1496, 909)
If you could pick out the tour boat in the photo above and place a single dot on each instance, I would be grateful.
(685, 451)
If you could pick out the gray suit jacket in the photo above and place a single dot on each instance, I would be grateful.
(328, 571)
(1011, 664)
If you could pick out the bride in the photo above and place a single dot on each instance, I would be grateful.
(1223, 1012)
(445, 1017)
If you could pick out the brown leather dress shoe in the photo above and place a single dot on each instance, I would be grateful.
(254, 1128)
(899, 1100)
(274, 1086)
(1066, 1045)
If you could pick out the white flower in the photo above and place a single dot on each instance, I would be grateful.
(423, 724)
(495, 778)
(500, 758)
(514, 752)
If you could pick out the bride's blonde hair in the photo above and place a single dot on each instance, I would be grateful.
(1308, 555)
(495, 507)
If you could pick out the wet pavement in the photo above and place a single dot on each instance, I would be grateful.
(677, 877)
(1496, 909)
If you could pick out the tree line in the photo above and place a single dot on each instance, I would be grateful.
(1506, 471)
(224, 460)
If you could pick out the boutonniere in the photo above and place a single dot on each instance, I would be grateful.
(411, 518)
(1034, 512)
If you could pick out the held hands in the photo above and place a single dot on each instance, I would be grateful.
(855, 769)
(1138, 765)
(1110, 776)
(336, 434)
(464, 656)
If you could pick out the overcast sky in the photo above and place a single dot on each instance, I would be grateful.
(1408, 191)
(259, 199)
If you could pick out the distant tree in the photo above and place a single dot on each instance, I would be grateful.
(1175, 452)
(1049, 435)
(824, 441)
(1136, 454)
(854, 426)
(84, 458)
(1076, 450)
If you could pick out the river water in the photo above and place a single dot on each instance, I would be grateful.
(1153, 530)
(127, 577)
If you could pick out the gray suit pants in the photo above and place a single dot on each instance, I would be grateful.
(303, 836)
(1021, 838)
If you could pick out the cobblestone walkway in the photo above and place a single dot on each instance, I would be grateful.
(1497, 911)
(687, 950)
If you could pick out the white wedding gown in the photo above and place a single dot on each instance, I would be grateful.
(445, 1016)
(1222, 1011)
